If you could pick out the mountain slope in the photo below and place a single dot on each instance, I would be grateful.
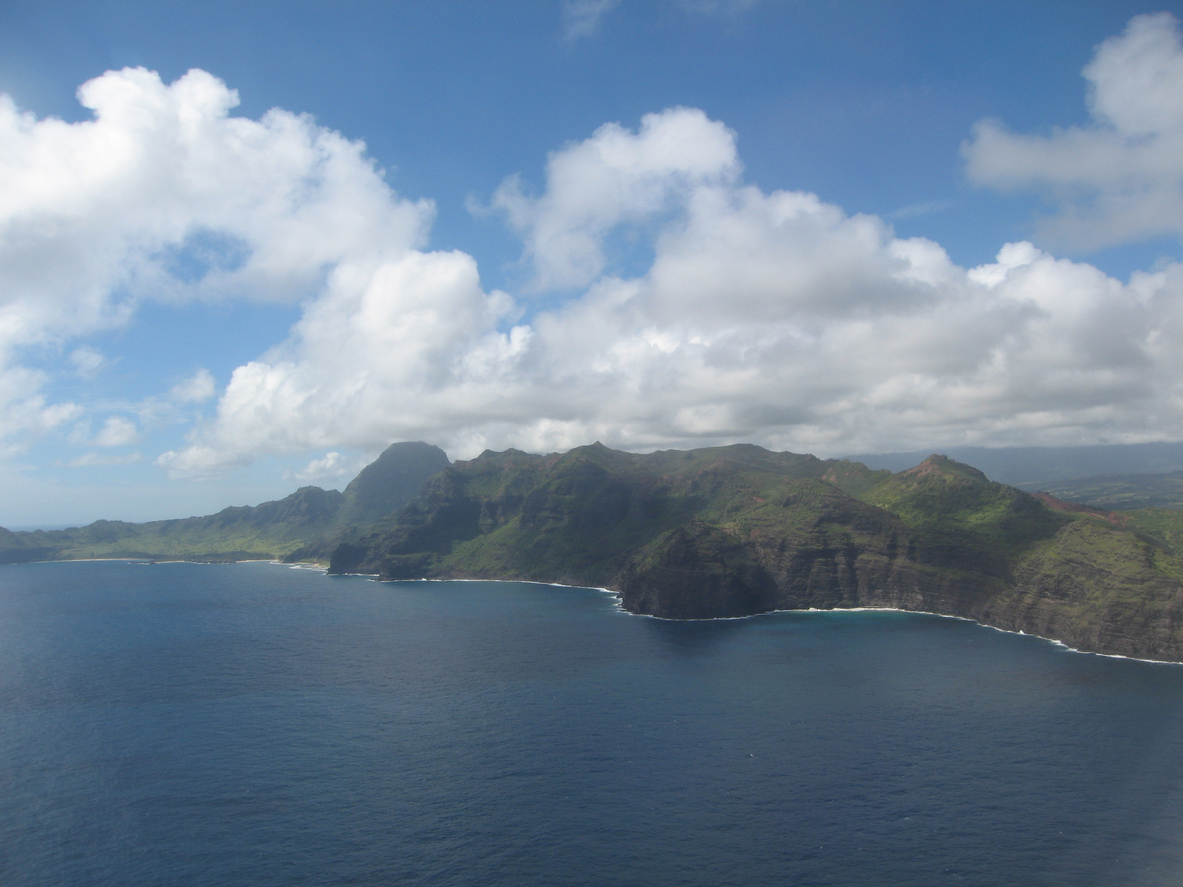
(389, 482)
(308, 518)
(731, 531)
(238, 533)
(723, 531)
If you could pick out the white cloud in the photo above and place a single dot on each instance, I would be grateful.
(25, 416)
(1120, 179)
(770, 317)
(717, 7)
(581, 18)
(614, 178)
(164, 195)
(87, 361)
(923, 208)
(329, 469)
(92, 460)
(385, 345)
(198, 388)
(117, 431)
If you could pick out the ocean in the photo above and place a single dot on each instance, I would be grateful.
(255, 724)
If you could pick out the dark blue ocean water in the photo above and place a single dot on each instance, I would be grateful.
(253, 724)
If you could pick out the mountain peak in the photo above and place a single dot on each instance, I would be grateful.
(937, 464)
(390, 481)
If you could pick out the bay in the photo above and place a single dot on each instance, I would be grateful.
(258, 724)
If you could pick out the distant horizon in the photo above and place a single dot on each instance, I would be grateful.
(242, 246)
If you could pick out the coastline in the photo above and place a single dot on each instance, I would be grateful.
(618, 605)
(146, 560)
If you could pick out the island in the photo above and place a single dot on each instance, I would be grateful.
(709, 533)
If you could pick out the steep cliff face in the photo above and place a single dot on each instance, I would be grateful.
(814, 547)
(697, 571)
(735, 531)
(1100, 587)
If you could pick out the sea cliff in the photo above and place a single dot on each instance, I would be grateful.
(714, 532)
(735, 531)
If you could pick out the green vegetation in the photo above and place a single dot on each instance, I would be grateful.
(734, 530)
(270, 530)
(310, 519)
(1160, 523)
(1123, 492)
(722, 531)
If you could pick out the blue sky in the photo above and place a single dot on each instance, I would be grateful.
(282, 235)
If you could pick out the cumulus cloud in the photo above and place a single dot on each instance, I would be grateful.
(614, 178)
(385, 346)
(329, 469)
(164, 194)
(117, 431)
(765, 316)
(768, 316)
(25, 415)
(198, 388)
(1120, 179)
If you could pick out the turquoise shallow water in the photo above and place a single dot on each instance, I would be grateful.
(253, 724)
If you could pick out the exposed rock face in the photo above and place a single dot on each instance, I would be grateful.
(851, 555)
(738, 530)
(1114, 517)
(697, 571)
(1099, 588)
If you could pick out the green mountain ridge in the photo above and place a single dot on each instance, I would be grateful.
(271, 530)
(714, 532)
(734, 531)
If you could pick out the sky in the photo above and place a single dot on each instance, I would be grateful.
(246, 245)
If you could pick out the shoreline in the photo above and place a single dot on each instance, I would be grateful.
(374, 577)
(150, 560)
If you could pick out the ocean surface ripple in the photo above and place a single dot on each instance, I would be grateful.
(251, 724)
